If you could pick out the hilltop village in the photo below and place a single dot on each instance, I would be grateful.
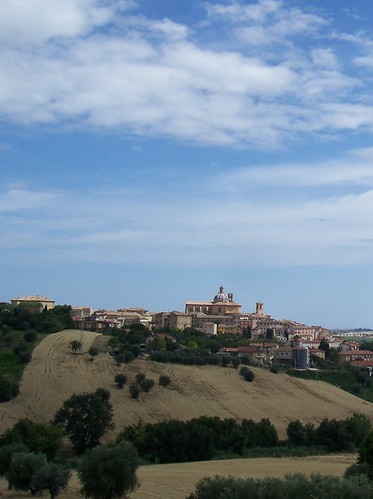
(271, 341)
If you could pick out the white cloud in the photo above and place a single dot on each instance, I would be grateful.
(36, 21)
(355, 170)
(96, 65)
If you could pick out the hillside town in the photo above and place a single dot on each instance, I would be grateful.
(271, 340)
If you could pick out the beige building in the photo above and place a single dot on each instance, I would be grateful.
(172, 320)
(80, 312)
(222, 304)
(32, 302)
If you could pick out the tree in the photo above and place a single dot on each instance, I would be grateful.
(164, 380)
(324, 345)
(108, 472)
(93, 352)
(247, 373)
(22, 468)
(29, 336)
(139, 377)
(366, 451)
(8, 390)
(296, 433)
(38, 437)
(120, 380)
(6, 454)
(86, 417)
(134, 391)
(146, 384)
(52, 477)
(75, 346)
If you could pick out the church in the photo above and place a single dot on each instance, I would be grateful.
(221, 305)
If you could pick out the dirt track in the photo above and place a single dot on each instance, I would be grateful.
(54, 374)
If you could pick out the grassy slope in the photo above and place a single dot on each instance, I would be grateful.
(54, 374)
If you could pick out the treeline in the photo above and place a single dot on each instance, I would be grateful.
(206, 437)
(334, 436)
(297, 485)
(19, 318)
(187, 356)
(198, 439)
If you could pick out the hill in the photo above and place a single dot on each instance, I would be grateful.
(54, 374)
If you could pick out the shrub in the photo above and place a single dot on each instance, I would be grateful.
(52, 477)
(134, 391)
(37, 437)
(274, 369)
(6, 453)
(249, 375)
(146, 385)
(297, 485)
(29, 336)
(356, 389)
(120, 380)
(93, 352)
(164, 380)
(22, 468)
(140, 377)
(8, 390)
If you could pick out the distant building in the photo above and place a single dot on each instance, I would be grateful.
(36, 302)
(171, 320)
(102, 319)
(222, 304)
(80, 312)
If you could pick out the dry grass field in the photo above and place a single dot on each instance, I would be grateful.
(54, 374)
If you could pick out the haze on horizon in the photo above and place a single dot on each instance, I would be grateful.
(152, 151)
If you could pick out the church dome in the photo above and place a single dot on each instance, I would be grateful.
(221, 296)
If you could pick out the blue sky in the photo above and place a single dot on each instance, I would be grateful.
(151, 151)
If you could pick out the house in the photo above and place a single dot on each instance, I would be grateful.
(351, 355)
(34, 303)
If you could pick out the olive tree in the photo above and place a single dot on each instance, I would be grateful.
(108, 472)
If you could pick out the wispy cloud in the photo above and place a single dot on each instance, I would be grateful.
(251, 223)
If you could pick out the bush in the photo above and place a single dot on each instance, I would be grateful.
(164, 380)
(134, 391)
(297, 485)
(248, 375)
(29, 336)
(120, 380)
(356, 389)
(108, 472)
(37, 437)
(6, 454)
(22, 468)
(52, 477)
(274, 369)
(140, 377)
(93, 352)
(146, 385)
(8, 390)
